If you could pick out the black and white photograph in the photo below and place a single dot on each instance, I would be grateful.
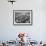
(22, 22)
(22, 17)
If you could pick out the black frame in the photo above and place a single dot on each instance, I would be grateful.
(23, 24)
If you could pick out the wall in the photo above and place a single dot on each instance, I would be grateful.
(38, 30)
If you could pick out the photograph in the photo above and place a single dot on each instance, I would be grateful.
(22, 17)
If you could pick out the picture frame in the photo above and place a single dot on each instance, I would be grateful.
(22, 17)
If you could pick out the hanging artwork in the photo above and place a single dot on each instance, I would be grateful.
(22, 17)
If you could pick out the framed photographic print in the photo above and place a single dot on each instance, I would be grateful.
(22, 17)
